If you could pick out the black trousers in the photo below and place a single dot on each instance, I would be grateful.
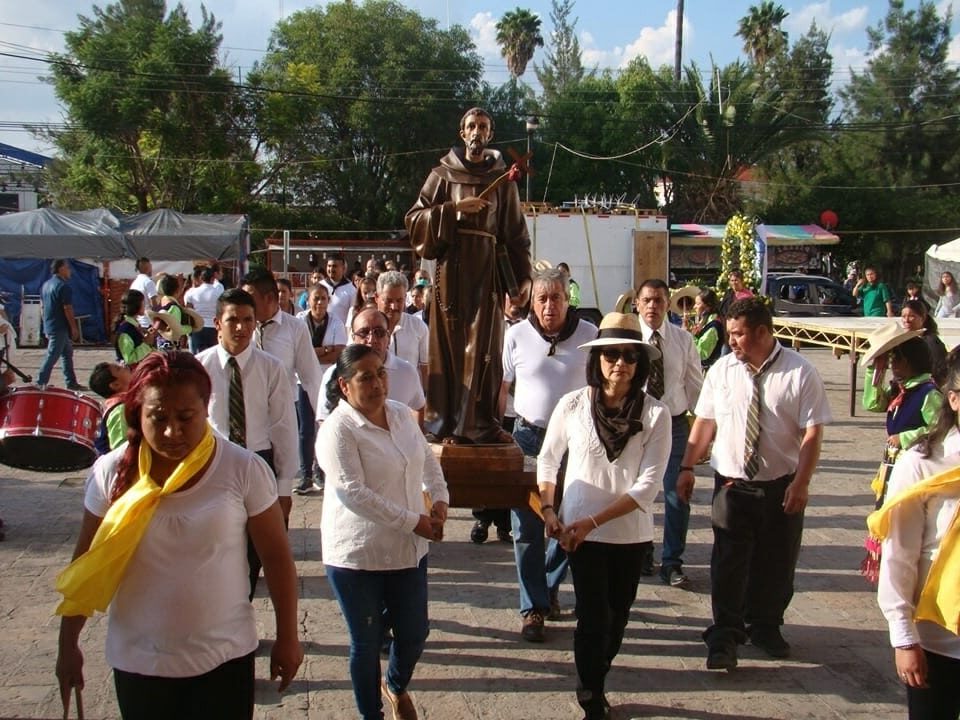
(605, 579)
(755, 551)
(940, 701)
(224, 693)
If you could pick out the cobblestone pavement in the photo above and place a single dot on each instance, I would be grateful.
(475, 665)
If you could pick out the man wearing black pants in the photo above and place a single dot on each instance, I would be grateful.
(764, 406)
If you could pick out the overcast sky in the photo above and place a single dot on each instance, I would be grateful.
(611, 33)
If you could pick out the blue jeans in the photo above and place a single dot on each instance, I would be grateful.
(59, 345)
(308, 433)
(200, 340)
(676, 513)
(363, 595)
(541, 565)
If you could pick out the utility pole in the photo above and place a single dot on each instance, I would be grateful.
(678, 45)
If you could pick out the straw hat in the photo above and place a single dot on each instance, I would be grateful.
(688, 293)
(192, 318)
(624, 303)
(171, 329)
(621, 329)
(884, 339)
(541, 265)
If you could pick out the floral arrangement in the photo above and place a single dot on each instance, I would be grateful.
(739, 251)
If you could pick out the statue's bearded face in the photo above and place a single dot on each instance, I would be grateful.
(476, 135)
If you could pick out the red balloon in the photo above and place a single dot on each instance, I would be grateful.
(829, 219)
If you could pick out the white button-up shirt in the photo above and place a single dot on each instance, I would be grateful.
(410, 340)
(341, 299)
(403, 385)
(592, 481)
(374, 492)
(271, 420)
(682, 372)
(288, 339)
(794, 399)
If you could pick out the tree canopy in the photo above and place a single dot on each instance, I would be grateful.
(761, 33)
(518, 34)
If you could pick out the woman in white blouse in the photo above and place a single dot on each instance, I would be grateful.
(376, 528)
(618, 440)
(927, 655)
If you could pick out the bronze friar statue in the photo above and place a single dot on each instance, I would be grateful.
(469, 219)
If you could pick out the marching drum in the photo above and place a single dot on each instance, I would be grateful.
(47, 430)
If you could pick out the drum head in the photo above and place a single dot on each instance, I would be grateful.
(45, 454)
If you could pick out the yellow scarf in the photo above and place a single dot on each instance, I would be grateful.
(90, 582)
(940, 598)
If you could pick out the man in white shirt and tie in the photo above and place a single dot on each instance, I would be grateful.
(675, 379)
(243, 376)
(284, 336)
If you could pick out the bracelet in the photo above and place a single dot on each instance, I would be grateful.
(686, 468)
(544, 508)
(594, 520)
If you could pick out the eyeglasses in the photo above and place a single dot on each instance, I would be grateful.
(378, 333)
(611, 355)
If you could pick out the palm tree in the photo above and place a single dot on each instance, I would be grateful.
(518, 34)
(760, 31)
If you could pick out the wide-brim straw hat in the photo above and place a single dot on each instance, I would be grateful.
(541, 265)
(621, 329)
(192, 318)
(884, 339)
(688, 292)
(172, 330)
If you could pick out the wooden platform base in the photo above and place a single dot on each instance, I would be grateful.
(490, 476)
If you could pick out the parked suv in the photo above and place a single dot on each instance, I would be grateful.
(809, 296)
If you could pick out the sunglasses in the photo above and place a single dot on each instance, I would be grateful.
(611, 355)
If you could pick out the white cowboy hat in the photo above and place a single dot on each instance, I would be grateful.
(621, 329)
(192, 318)
(884, 339)
(688, 293)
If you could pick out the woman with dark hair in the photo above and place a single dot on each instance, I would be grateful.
(163, 543)
(707, 331)
(617, 440)
(919, 528)
(915, 316)
(949, 303)
(381, 476)
(131, 343)
(366, 297)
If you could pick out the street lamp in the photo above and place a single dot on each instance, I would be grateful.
(532, 124)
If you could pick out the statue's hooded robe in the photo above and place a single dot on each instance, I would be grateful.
(466, 314)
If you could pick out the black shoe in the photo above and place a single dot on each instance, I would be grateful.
(305, 487)
(480, 532)
(770, 641)
(77, 387)
(722, 656)
(503, 535)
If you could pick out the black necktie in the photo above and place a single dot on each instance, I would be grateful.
(655, 381)
(238, 417)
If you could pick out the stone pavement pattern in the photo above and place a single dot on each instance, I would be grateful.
(475, 665)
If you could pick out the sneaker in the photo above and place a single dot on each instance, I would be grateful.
(402, 704)
(306, 487)
(674, 577)
(555, 613)
(480, 532)
(722, 656)
(770, 641)
(77, 387)
(532, 630)
(503, 535)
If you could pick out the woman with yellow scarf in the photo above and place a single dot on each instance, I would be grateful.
(164, 544)
(919, 583)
